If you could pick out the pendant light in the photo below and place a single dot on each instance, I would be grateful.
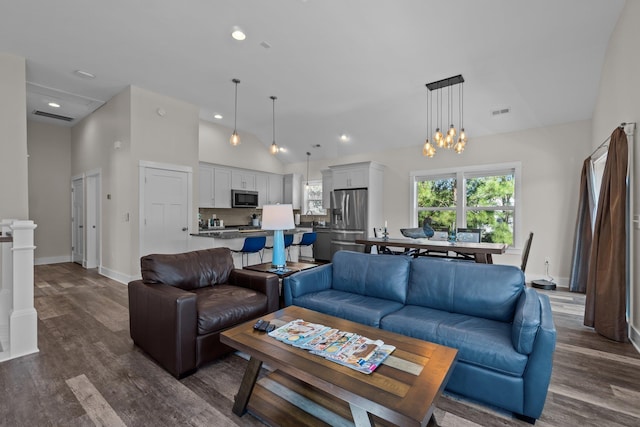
(448, 139)
(308, 155)
(274, 146)
(235, 138)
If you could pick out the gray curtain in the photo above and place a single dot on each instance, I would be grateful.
(605, 305)
(583, 236)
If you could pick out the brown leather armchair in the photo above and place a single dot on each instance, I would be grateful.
(184, 301)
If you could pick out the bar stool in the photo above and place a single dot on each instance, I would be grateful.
(251, 245)
(288, 240)
(308, 239)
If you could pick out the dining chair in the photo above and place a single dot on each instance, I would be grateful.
(377, 232)
(471, 235)
(251, 245)
(525, 252)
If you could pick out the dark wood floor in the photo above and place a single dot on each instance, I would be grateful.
(89, 373)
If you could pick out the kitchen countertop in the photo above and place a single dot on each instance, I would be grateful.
(239, 234)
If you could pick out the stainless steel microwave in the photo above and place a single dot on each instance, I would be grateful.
(244, 199)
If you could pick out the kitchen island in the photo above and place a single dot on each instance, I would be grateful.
(233, 238)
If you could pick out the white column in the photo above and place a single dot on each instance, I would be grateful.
(6, 285)
(23, 323)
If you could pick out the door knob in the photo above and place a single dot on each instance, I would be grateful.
(184, 228)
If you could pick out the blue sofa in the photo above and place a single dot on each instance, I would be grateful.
(503, 331)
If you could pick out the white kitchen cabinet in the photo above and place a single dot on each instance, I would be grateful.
(205, 186)
(327, 187)
(350, 177)
(291, 189)
(276, 183)
(243, 180)
(214, 186)
(222, 187)
(262, 187)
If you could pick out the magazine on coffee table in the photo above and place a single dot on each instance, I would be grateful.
(346, 348)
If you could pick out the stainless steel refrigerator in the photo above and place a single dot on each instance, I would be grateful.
(348, 219)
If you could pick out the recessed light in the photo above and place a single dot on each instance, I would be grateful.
(84, 74)
(282, 149)
(54, 105)
(344, 137)
(238, 34)
(217, 116)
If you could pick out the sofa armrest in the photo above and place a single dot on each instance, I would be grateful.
(312, 280)
(266, 283)
(163, 322)
(526, 321)
(538, 372)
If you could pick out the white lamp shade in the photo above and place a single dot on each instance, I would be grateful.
(277, 217)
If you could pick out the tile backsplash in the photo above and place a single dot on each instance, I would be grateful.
(243, 216)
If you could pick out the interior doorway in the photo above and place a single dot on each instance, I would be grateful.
(165, 211)
(77, 220)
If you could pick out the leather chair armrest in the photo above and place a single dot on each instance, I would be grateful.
(163, 322)
(267, 283)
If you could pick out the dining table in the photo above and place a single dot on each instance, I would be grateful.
(481, 252)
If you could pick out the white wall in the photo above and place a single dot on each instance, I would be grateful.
(551, 163)
(250, 154)
(170, 137)
(14, 191)
(92, 147)
(619, 101)
(49, 190)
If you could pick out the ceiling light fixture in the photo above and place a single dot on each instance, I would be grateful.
(274, 146)
(217, 116)
(54, 105)
(344, 137)
(447, 140)
(235, 138)
(238, 34)
(308, 155)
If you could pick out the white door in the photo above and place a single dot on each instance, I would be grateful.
(93, 221)
(77, 220)
(166, 211)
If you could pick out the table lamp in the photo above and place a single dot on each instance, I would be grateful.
(278, 218)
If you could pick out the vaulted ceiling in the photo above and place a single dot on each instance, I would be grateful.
(355, 67)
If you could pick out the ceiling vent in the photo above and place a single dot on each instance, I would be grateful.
(52, 116)
(500, 112)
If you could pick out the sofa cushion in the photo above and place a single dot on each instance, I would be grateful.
(489, 291)
(347, 305)
(188, 270)
(379, 276)
(481, 342)
(223, 306)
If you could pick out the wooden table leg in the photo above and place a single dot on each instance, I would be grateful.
(361, 418)
(246, 387)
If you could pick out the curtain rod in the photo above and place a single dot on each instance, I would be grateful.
(621, 126)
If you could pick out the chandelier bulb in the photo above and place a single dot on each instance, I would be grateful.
(437, 137)
(463, 135)
(274, 148)
(459, 147)
(452, 131)
(235, 139)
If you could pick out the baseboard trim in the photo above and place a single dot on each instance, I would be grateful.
(52, 260)
(115, 275)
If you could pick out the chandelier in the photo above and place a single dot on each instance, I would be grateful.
(448, 138)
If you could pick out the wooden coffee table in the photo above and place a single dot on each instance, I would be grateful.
(402, 391)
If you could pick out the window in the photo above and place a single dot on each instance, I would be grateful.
(474, 197)
(313, 199)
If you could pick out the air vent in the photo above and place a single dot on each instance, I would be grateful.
(500, 111)
(52, 116)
